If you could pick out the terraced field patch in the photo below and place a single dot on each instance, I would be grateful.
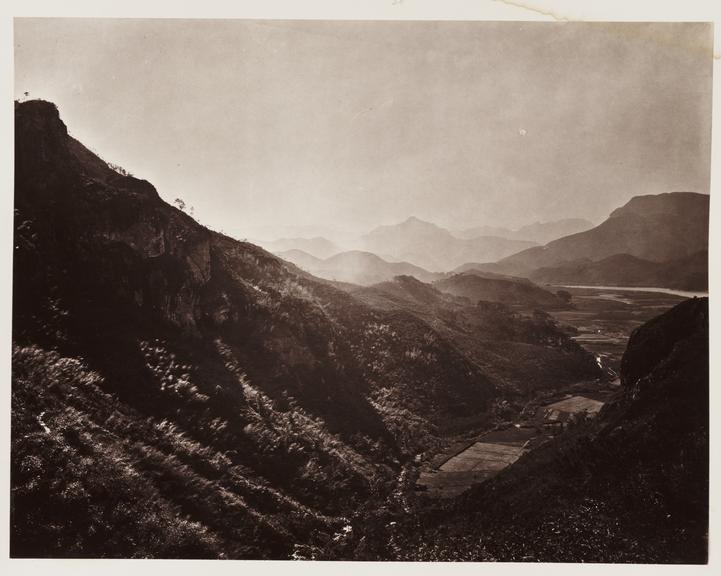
(476, 462)
(483, 457)
(577, 404)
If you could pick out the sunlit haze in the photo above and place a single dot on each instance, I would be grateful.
(275, 128)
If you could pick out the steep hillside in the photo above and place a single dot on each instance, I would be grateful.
(630, 486)
(434, 248)
(357, 267)
(177, 393)
(175, 387)
(660, 228)
(689, 273)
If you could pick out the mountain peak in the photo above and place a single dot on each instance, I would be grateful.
(415, 221)
(38, 126)
(39, 108)
(40, 119)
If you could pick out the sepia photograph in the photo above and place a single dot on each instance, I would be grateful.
(360, 290)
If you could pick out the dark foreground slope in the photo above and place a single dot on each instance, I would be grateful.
(177, 393)
(631, 486)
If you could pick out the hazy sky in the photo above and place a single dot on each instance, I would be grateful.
(262, 125)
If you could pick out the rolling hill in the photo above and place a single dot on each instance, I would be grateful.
(495, 288)
(356, 267)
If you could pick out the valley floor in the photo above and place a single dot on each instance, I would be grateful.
(605, 317)
(602, 320)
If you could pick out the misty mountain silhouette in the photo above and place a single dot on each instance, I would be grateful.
(665, 228)
(435, 248)
(538, 232)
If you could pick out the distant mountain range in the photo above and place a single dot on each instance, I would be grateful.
(366, 269)
(434, 248)
(538, 232)
(412, 242)
(428, 245)
(651, 239)
(654, 240)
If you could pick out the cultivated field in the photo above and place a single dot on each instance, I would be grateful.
(576, 404)
(476, 462)
(605, 318)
